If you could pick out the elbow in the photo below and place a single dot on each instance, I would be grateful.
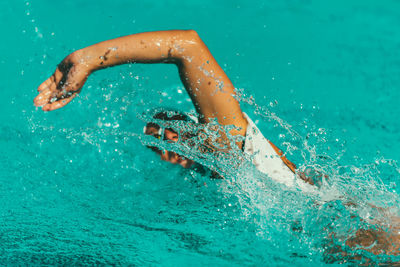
(192, 41)
(192, 34)
(187, 44)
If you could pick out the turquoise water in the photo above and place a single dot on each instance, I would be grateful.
(77, 187)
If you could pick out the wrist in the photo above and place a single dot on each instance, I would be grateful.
(85, 61)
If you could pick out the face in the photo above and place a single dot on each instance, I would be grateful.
(168, 155)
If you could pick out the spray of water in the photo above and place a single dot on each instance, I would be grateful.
(310, 224)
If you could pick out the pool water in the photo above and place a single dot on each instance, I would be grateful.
(321, 80)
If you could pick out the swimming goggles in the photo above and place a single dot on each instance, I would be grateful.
(161, 129)
(158, 134)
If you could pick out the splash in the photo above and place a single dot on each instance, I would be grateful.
(316, 221)
(306, 225)
(346, 193)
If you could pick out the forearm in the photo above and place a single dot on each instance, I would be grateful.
(148, 47)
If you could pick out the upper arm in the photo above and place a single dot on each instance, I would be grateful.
(210, 89)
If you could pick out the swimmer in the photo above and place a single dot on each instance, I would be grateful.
(210, 89)
(211, 92)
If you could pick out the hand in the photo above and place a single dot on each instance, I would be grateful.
(64, 84)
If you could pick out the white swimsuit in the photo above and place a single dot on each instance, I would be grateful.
(264, 157)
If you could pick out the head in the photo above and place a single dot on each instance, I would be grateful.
(168, 134)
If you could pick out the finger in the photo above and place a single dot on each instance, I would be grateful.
(43, 97)
(60, 78)
(46, 84)
(57, 76)
(59, 103)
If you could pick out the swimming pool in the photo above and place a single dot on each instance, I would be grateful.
(77, 187)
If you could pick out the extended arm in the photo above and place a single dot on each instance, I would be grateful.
(207, 84)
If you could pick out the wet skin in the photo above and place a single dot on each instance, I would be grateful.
(166, 155)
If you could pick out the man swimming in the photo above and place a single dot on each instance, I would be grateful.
(210, 89)
(213, 96)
